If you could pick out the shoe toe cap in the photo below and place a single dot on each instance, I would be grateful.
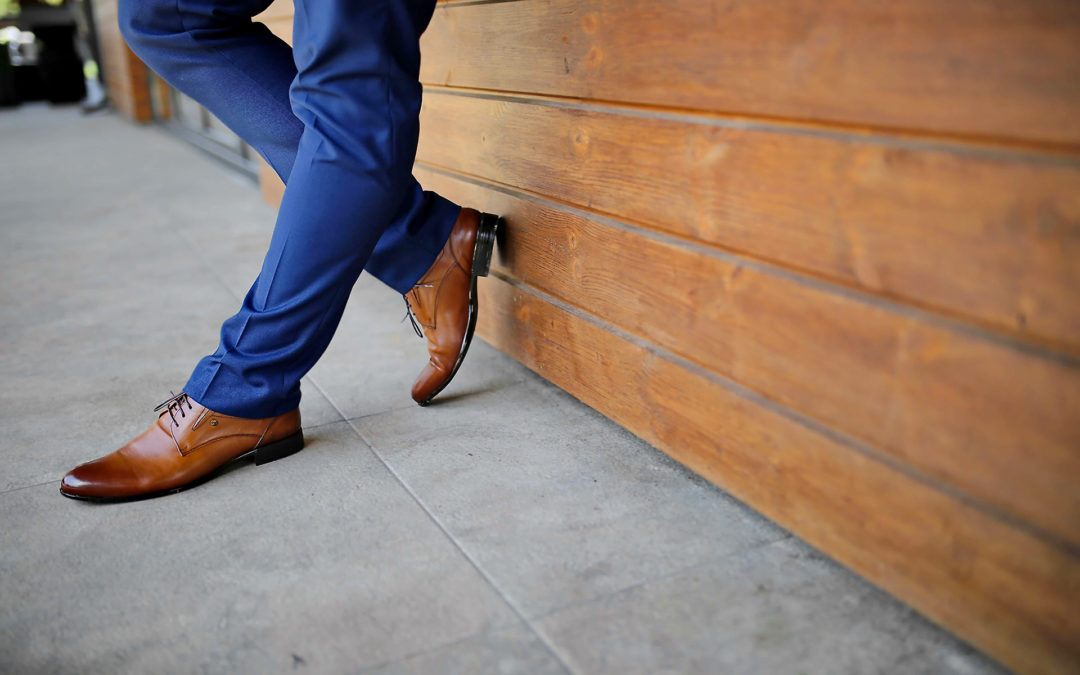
(430, 380)
(109, 476)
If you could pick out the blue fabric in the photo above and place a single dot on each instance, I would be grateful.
(337, 118)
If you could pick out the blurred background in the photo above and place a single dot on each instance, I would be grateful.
(825, 254)
(49, 52)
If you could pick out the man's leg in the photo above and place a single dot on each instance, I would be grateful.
(211, 50)
(357, 94)
(241, 72)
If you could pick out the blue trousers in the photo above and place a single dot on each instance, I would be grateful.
(336, 116)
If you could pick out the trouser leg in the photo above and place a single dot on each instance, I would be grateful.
(357, 95)
(241, 72)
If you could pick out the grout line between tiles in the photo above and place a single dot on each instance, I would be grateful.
(483, 574)
(365, 415)
(27, 487)
(432, 649)
(787, 536)
(554, 651)
(309, 427)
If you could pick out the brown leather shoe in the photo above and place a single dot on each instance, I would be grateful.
(444, 300)
(186, 446)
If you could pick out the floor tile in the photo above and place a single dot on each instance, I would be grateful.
(375, 357)
(557, 503)
(781, 608)
(320, 557)
(506, 651)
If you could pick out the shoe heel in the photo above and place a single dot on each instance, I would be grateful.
(279, 449)
(485, 244)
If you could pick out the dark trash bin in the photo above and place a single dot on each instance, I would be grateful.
(9, 96)
(59, 65)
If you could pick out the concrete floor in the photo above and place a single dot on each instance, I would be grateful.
(509, 529)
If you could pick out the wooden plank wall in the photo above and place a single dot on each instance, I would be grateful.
(826, 253)
(125, 75)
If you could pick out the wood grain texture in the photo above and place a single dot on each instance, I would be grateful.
(991, 238)
(1000, 588)
(996, 423)
(126, 77)
(1008, 69)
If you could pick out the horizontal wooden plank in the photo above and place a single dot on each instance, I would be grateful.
(278, 9)
(1013, 595)
(996, 423)
(1007, 69)
(994, 238)
(271, 187)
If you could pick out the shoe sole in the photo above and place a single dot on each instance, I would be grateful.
(481, 267)
(261, 455)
